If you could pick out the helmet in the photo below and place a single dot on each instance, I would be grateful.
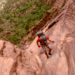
(39, 33)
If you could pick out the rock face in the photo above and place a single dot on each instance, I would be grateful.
(62, 28)
(65, 30)
(14, 61)
(5, 65)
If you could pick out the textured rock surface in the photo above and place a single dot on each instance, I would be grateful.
(14, 61)
(5, 65)
(62, 28)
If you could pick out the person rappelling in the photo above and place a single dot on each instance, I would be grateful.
(42, 41)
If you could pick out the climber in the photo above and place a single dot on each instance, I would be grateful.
(42, 41)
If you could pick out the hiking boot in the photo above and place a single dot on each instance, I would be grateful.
(50, 53)
(47, 56)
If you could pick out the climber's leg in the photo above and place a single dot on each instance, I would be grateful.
(49, 49)
(46, 54)
(45, 51)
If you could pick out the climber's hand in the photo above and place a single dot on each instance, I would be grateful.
(39, 46)
(52, 41)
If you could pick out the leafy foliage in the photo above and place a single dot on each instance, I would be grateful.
(20, 16)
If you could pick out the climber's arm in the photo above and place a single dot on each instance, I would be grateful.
(49, 40)
(38, 43)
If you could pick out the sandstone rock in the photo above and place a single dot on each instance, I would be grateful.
(63, 29)
(5, 65)
(14, 61)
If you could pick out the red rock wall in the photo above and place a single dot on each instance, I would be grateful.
(14, 61)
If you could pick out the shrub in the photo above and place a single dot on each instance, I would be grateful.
(22, 16)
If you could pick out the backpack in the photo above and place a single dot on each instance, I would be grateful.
(43, 38)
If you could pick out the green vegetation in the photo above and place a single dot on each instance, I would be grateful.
(19, 16)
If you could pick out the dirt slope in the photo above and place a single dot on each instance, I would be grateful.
(14, 61)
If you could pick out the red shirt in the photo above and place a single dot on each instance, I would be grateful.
(42, 41)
